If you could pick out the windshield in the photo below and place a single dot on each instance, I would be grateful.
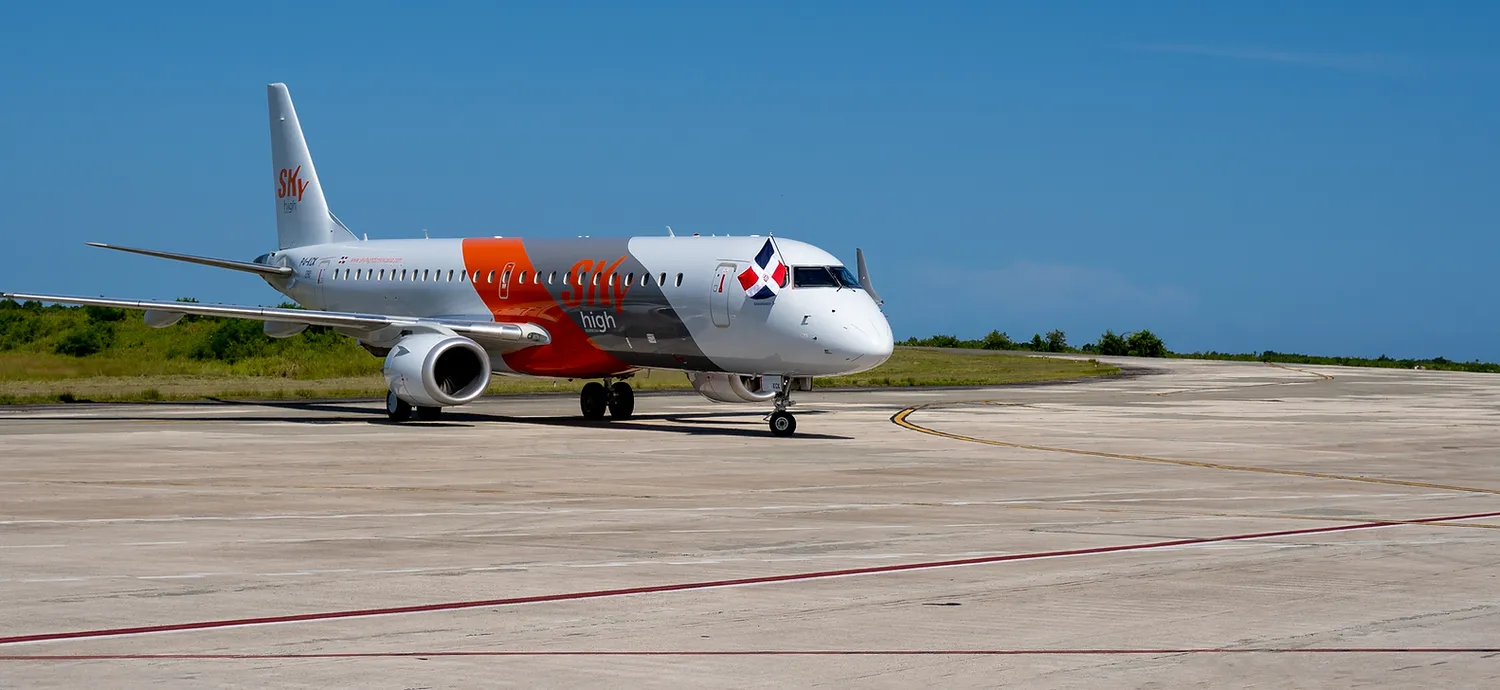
(823, 276)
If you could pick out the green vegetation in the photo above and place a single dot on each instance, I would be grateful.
(67, 354)
(1144, 343)
(1438, 363)
(1140, 343)
(56, 353)
(908, 367)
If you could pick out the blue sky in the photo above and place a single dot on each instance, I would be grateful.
(1297, 176)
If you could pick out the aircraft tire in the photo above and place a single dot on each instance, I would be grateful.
(783, 424)
(622, 403)
(593, 400)
(396, 409)
(429, 414)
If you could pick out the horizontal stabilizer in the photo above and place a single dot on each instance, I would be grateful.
(232, 265)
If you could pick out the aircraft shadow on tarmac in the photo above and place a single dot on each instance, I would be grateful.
(694, 423)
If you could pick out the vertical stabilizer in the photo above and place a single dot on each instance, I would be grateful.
(302, 215)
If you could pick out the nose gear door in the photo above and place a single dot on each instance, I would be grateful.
(718, 298)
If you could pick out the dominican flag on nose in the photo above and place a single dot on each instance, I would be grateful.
(766, 275)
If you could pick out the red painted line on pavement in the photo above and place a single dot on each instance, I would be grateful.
(711, 584)
(768, 652)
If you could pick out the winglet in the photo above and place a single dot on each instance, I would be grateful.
(864, 276)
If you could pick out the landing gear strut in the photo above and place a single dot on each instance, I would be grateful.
(783, 423)
(615, 397)
(397, 409)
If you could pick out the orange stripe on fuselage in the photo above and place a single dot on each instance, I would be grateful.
(571, 354)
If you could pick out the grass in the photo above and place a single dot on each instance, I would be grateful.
(68, 383)
(68, 354)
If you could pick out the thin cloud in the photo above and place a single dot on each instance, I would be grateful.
(1350, 63)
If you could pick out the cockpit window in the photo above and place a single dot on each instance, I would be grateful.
(823, 276)
(813, 276)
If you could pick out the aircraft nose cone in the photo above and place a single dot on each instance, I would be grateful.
(866, 343)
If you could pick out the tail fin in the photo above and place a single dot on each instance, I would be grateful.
(302, 215)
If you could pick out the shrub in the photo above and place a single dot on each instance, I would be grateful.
(234, 340)
(1057, 341)
(104, 314)
(1112, 344)
(18, 328)
(93, 338)
(1144, 343)
(997, 340)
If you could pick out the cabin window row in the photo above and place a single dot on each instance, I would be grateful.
(428, 275)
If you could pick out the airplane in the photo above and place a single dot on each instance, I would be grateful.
(748, 319)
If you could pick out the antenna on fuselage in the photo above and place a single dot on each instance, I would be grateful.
(424, 234)
(670, 233)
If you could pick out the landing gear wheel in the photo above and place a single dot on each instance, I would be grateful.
(783, 423)
(593, 400)
(622, 401)
(429, 414)
(397, 409)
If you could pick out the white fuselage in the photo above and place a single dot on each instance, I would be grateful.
(604, 314)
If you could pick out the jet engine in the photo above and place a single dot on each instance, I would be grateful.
(437, 370)
(730, 388)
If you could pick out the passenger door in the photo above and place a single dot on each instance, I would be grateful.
(718, 298)
(322, 286)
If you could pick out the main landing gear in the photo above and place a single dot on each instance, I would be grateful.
(783, 423)
(399, 410)
(617, 398)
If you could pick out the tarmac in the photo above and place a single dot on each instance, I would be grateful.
(1203, 524)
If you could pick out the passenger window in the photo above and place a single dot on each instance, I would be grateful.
(663, 281)
(583, 278)
(629, 278)
(403, 274)
(490, 278)
(596, 278)
(505, 278)
(382, 274)
(611, 280)
(450, 275)
(552, 277)
(523, 277)
(679, 280)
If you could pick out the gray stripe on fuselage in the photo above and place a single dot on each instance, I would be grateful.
(642, 330)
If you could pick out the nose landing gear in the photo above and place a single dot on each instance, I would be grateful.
(615, 397)
(783, 423)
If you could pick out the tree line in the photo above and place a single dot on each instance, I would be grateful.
(86, 331)
(1142, 343)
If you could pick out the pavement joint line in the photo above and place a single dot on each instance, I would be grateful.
(902, 419)
(711, 584)
(756, 652)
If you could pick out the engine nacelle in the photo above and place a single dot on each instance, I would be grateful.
(730, 388)
(436, 370)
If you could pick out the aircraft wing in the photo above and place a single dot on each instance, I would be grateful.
(499, 337)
